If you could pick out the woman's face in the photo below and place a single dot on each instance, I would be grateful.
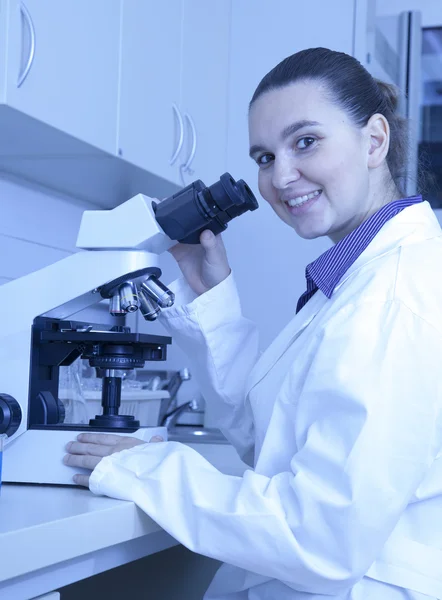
(313, 162)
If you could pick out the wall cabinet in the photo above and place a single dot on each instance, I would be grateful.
(59, 98)
(102, 100)
(149, 128)
(204, 88)
(62, 65)
(174, 74)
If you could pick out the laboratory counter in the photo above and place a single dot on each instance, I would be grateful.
(52, 536)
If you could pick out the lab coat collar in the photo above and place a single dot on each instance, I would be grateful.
(413, 224)
(327, 271)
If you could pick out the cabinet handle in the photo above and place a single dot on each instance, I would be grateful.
(27, 17)
(186, 167)
(181, 136)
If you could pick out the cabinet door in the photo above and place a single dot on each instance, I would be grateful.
(72, 51)
(150, 127)
(204, 88)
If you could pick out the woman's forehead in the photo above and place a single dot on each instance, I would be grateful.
(304, 101)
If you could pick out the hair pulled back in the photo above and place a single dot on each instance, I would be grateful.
(351, 87)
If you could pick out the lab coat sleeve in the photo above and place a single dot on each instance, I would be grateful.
(366, 434)
(222, 348)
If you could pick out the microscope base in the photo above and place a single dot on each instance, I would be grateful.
(36, 456)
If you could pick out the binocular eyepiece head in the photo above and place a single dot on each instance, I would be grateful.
(186, 214)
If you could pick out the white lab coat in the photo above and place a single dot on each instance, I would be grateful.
(341, 419)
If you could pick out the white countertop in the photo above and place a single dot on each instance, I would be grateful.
(45, 526)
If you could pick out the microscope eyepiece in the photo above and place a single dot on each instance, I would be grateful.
(186, 214)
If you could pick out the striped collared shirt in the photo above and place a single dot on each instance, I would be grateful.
(326, 271)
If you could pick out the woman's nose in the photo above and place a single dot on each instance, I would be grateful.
(285, 172)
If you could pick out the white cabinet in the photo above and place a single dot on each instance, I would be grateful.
(62, 65)
(174, 74)
(150, 128)
(204, 87)
(115, 97)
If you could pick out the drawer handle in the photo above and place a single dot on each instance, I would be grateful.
(186, 167)
(28, 19)
(181, 136)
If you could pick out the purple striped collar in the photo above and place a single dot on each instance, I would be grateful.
(326, 271)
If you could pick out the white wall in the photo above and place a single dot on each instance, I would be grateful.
(36, 228)
(431, 9)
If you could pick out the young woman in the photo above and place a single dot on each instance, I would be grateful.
(340, 419)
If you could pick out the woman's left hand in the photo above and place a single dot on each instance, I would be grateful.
(90, 448)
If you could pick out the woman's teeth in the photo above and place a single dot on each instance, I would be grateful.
(302, 199)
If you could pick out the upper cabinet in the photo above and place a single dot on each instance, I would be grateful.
(62, 65)
(204, 89)
(151, 131)
(104, 99)
(174, 74)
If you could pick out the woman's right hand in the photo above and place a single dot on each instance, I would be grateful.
(203, 265)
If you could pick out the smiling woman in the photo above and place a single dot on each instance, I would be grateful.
(335, 151)
(340, 419)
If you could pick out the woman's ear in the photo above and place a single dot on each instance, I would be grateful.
(378, 134)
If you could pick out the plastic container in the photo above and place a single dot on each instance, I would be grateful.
(3, 438)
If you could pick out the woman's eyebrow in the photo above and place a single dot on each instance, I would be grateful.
(286, 132)
(293, 128)
(255, 149)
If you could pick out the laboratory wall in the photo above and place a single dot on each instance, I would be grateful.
(37, 227)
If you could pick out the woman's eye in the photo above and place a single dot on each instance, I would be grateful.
(264, 159)
(305, 142)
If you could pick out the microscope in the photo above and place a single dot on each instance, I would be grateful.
(118, 262)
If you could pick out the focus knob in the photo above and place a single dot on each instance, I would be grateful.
(10, 414)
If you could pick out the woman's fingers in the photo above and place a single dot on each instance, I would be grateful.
(90, 449)
(81, 480)
(108, 439)
(83, 461)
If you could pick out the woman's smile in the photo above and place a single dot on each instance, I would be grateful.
(299, 203)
